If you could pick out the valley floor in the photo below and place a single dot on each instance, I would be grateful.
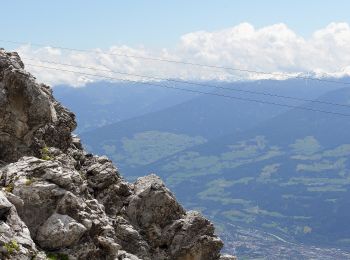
(254, 244)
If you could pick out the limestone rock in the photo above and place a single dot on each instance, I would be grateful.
(30, 118)
(153, 204)
(5, 206)
(59, 231)
(192, 238)
(75, 204)
(15, 239)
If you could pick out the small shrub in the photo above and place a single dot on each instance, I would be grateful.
(10, 187)
(11, 246)
(58, 256)
(28, 182)
(82, 174)
(307, 230)
(45, 154)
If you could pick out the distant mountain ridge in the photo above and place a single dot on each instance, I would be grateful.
(205, 117)
(103, 103)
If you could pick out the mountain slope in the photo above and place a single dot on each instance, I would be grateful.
(103, 103)
(289, 175)
(145, 139)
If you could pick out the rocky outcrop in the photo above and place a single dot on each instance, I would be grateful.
(60, 202)
(29, 117)
(15, 236)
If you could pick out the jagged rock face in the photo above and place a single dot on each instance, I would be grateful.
(76, 205)
(15, 235)
(59, 231)
(29, 115)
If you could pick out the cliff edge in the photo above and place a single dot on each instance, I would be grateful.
(59, 202)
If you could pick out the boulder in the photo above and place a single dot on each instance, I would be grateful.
(153, 204)
(59, 231)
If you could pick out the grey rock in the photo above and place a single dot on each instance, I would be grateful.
(109, 245)
(192, 237)
(123, 255)
(15, 200)
(5, 206)
(153, 204)
(59, 231)
(30, 118)
(63, 199)
(125, 233)
(15, 239)
(40, 199)
(101, 173)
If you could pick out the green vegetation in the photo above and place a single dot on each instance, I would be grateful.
(270, 225)
(147, 147)
(29, 181)
(307, 229)
(306, 146)
(324, 165)
(268, 170)
(11, 246)
(191, 164)
(236, 178)
(258, 211)
(45, 154)
(327, 173)
(340, 151)
(319, 181)
(218, 194)
(238, 216)
(10, 187)
(57, 256)
(328, 188)
(275, 226)
(267, 173)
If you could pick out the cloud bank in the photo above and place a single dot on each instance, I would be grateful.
(275, 49)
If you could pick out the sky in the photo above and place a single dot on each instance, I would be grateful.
(264, 35)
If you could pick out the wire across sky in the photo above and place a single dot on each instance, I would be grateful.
(177, 62)
(152, 79)
(192, 83)
(195, 91)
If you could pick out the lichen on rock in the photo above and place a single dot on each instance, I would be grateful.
(58, 200)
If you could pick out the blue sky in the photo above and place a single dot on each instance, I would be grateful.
(155, 23)
(294, 36)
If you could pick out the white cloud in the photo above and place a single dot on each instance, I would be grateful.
(275, 49)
